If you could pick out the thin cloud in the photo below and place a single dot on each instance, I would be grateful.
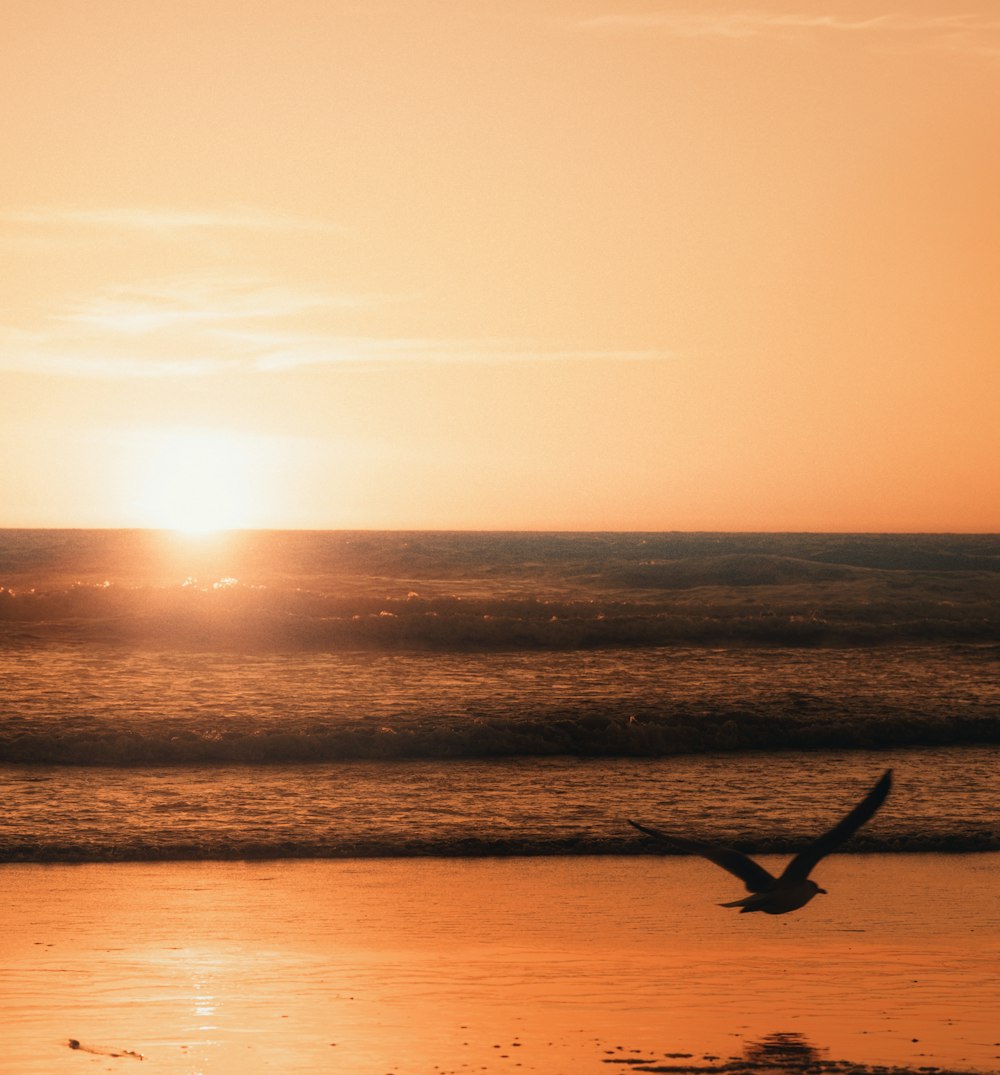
(279, 354)
(968, 32)
(159, 305)
(169, 327)
(199, 325)
(196, 355)
(54, 356)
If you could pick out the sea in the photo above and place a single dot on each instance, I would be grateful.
(334, 694)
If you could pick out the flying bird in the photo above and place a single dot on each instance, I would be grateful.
(794, 888)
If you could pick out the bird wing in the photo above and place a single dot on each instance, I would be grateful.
(800, 866)
(753, 875)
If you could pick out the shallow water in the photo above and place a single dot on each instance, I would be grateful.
(943, 799)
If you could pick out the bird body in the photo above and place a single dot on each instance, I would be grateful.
(778, 900)
(794, 888)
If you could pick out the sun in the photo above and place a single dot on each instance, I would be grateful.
(202, 480)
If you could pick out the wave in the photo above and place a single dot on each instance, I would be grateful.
(495, 591)
(763, 803)
(90, 554)
(226, 614)
(585, 732)
(389, 846)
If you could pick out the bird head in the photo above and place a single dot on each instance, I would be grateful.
(817, 891)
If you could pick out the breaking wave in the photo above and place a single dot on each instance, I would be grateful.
(229, 848)
(226, 614)
(587, 733)
(442, 592)
(944, 799)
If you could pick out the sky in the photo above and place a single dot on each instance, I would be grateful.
(601, 265)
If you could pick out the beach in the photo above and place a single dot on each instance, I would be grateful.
(557, 965)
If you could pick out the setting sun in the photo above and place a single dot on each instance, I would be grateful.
(201, 480)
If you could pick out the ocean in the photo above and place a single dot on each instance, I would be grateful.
(357, 694)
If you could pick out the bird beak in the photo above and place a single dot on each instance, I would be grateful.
(822, 891)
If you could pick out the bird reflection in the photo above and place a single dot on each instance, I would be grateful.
(778, 1052)
(781, 1051)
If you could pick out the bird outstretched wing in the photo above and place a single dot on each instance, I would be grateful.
(752, 874)
(800, 866)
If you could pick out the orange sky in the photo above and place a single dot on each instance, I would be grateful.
(478, 264)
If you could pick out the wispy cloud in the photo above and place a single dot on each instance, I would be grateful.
(164, 221)
(276, 354)
(200, 354)
(63, 353)
(970, 32)
(203, 324)
(89, 362)
(199, 300)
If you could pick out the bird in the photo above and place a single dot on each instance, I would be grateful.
(794, 888)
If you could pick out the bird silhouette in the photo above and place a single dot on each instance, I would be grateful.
(794, 888)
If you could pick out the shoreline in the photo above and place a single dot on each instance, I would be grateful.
(492, 853)
(567, 964)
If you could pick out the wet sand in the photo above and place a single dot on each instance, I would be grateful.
(553, 965)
